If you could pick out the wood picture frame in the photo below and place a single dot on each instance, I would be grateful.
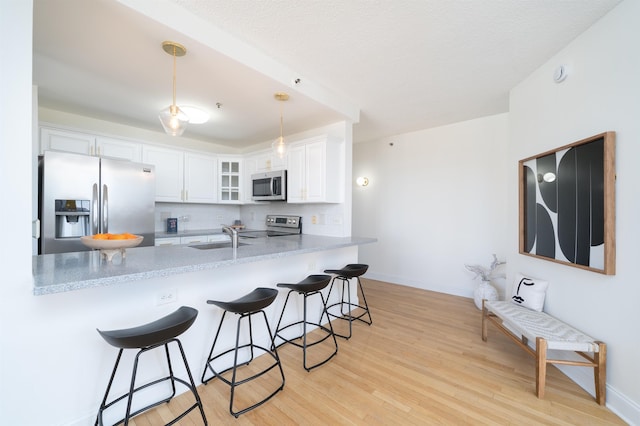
(567, 204)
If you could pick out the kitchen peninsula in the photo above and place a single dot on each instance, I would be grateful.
(79, 292)
(55, 273)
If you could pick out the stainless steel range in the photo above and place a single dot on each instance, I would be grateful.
(277, 226)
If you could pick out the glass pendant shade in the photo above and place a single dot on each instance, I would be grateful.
(279, 147)
(173, 120)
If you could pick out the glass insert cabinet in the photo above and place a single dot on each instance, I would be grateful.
(230, 170)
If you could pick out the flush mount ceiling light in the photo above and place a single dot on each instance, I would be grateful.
(279, 147)
(173, 120)
(196, 115)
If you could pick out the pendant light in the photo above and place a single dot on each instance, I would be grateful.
(279, 146)
(173, 120)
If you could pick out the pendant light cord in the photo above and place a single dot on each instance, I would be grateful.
(174, 76)
(281, 137)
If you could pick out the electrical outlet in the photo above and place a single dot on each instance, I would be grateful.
(220, 217)
(169, 295)
(314, 220)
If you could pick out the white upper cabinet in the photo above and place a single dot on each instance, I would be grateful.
(315, 167)
(200, 178)
(169, 172)
(182, 176)
(88, 144)
(266, 161)
(62, 140)
(315, 171)
(230, 180)
(296, 174)
(249, 167)
(116, 148)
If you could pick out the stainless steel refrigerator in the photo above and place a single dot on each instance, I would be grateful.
(82, 195)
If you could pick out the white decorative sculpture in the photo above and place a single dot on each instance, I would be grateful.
(485, 290)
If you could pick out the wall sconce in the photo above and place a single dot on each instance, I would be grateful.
(362, 181)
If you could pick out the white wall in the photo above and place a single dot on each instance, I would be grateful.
(601, 93)
(15, 191)
(435, 201)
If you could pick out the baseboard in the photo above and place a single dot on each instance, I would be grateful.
(617, 402)
(455, 291)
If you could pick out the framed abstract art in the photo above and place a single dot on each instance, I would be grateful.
(567, 204)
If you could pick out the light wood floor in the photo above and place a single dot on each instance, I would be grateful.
(421, 362)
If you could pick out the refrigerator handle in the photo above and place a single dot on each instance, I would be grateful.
(105, 209)
(94, 209)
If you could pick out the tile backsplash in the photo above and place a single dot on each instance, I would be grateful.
(195, 216)
(318, 219)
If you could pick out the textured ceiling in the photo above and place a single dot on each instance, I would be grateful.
(405, 64)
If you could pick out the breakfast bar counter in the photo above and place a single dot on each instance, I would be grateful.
(56, 273)
(83, 291)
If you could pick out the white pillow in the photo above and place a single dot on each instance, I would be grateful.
(529, 292)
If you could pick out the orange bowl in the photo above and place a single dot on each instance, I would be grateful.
(103, 244)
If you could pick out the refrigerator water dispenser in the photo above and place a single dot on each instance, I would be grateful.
(72, 218)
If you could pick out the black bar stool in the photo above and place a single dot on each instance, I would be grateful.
(145, 338)
(310, 286)
(246, 306)
(353, 270)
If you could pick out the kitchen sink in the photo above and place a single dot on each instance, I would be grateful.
(211, 246)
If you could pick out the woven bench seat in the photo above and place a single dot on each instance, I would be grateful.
(523, 325)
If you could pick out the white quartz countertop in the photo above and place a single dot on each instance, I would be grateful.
(56, 273)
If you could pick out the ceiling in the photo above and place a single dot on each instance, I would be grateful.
(391, 66)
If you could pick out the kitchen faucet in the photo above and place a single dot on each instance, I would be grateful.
(233, 233)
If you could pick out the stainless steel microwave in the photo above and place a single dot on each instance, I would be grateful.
(269, 186)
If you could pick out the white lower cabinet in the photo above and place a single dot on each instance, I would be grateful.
(194, 239)
(315, 171)
(218, 238)
(172, 241)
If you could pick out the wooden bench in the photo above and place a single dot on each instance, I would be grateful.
(523, 325)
